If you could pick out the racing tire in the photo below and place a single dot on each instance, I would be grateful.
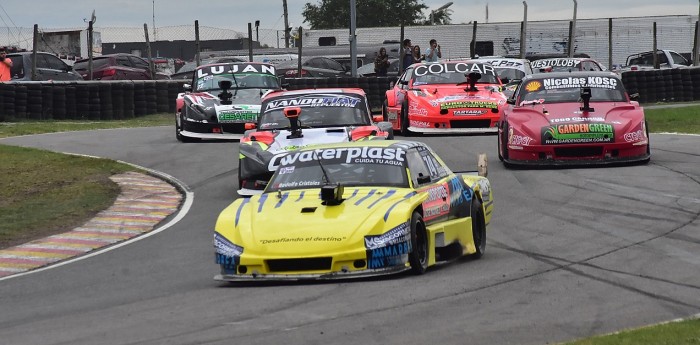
(418, 257)
(181, 138)
(385, 112)
(404, 120)
(478, 229)
(503, 144)
(646, 127)
(498, 143)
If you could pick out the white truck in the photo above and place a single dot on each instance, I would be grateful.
(644, 61)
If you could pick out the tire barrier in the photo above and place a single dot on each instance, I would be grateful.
(102, 100)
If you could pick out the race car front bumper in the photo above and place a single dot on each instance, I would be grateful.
(578, 154)
(322, 276)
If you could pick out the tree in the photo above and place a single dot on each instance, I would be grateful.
(335, 14)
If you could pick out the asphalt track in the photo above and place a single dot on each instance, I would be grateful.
(571, 253)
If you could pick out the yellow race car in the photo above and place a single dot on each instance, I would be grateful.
(354, 209)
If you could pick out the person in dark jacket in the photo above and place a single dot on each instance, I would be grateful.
(381, 62)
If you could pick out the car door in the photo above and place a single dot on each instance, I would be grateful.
(124, 69)
(60, 69)
(43, 69)
(425, 178)
(141, 67)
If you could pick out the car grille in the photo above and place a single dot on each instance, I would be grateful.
(586, 151)
(470, 123)
(307, 264)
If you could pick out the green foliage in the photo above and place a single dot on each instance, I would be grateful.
(673, 333)
(335, 14)
(674, 120)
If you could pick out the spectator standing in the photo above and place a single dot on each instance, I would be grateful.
(381, 62)
(5, 65)
(417, 57)
(407, 54)
(433, 53)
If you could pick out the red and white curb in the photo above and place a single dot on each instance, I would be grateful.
(144, 201)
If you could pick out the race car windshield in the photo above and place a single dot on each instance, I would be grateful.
(510, 73)
(305, 175)
(238, 81)
(452, 73)
(316, 117)
(568, 90)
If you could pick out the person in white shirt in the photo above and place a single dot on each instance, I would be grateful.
(433, 53)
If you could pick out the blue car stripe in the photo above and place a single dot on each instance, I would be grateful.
(301, 196)
(261, 202)
(371, 192)
(409, 195)
(354, 193)
(284, 197)
(240, 207)
(388, 194)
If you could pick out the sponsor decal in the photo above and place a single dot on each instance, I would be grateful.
(505, 63)
(519, 139)
(287, 170)
(413, 109)
(237, 116)
(555, 63)
(578, 133)
(302, 239)
(637, 135)
(469, 104)
(397, 235)
(313, 101)
(533, 86)
(570, 82)
(233, 69)
(225, 247)
(392, 115)
(459, 67)
(468, 112)
(379, 155)
(419, 124)
(578, 119)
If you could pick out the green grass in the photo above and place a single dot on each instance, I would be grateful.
(674, 333)
(11, 129)
(674, 120)
(44, 193)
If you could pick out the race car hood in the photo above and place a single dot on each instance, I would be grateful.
(296, 223)
(244, 107)
(531, 118)
(311, 136)
(447, 97)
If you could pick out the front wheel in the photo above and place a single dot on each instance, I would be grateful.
(478, 229)
(418, 257)
(404, 120)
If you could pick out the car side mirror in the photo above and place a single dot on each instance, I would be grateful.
(511, 101)
(187, 87)
(377, 118)
(423, 179)
(634, 97)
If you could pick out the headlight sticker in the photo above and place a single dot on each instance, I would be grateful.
(390, 248)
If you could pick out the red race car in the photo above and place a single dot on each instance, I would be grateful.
(445, 97)
(574, 118)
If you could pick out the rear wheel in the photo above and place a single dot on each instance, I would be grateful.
(418, 257)
(499, 148)
(478, 229)
(385, 112)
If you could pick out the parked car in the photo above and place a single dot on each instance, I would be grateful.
(186, 72)
(368, 69)
(311, 66)
(666, 59)
(118, 66)
(572, 118)
(48, 67)
(354, 209)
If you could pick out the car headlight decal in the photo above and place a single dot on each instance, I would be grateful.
(390, 248)
(227, 254)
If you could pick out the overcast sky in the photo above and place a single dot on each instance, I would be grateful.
(235, 14)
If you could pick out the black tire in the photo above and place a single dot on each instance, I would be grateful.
(181, 138)
(404, 120)
(503, 141)
(498, 142)
(478, 229)
(646, 128)
(385, 112)
(418, 257)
